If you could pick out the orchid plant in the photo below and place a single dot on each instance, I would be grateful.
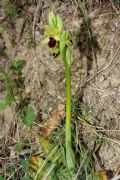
(58, 41)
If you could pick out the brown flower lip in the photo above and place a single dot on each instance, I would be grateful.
(52, 42)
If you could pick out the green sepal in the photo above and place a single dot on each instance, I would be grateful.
(57, 37)
(59, 23)
(51, 32)
(45, 41)
(46, 27)
(52, 20)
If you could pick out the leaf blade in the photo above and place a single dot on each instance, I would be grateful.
(28, 115)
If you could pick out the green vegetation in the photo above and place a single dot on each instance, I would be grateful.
(118, 1)
(55, 34)
(11, 11)
(14, 8)
(15, 90)
(3, 25)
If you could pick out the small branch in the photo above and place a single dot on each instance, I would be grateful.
(117, 12)
(35, 17)
(14, 172)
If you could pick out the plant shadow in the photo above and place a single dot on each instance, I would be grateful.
(88, 45)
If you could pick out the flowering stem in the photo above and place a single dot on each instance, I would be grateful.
(70, 159)
(68, 106)
(58, 41)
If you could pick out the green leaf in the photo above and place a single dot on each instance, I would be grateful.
(2, 178)
(3, 105)
(25, 178)
(7, 101)
(59, 23)
(3, 26)
(28, 115)
(52, 20)
(9, 82)
(17, 64)
(46, 144)
(20, 145)
(9, 98)
(70, 157)
(11, 11)
(25, 163)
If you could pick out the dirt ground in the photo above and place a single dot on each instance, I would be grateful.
(95, 76)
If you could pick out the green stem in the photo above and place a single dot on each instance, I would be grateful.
(68, 106)
(70, 159)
